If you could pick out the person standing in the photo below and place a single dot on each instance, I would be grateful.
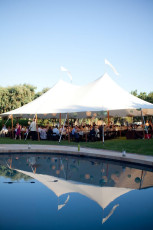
(18, 131)
(33, 129)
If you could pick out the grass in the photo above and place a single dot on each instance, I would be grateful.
(139, 146)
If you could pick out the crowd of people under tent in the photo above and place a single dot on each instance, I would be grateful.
(77, 132)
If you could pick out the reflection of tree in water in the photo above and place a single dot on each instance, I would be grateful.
(12, 174)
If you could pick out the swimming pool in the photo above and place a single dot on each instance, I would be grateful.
(49, 191)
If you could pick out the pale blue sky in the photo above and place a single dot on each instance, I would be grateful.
(39, 36)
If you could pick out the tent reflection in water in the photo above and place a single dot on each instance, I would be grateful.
(103, 196)
(65, 182)
(102, 94)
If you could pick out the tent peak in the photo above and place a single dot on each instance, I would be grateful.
(106, 75)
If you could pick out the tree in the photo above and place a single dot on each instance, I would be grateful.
(143, 96)
(135, 93)
(4, 100)
(13, 97)
(42, 92)
(150, 97)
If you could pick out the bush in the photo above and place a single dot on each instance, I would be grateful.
(22, 122)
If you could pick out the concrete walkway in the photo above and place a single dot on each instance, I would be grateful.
(89, 152)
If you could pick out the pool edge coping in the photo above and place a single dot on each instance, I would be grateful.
(85, 152)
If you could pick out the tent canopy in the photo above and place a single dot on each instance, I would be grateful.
(98, 96)
(105, 94)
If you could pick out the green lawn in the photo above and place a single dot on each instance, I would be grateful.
(139, 146)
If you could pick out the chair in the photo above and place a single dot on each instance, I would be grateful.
(55, 137)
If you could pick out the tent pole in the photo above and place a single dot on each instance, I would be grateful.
(141, 179)
(103, 134)
(108, 117)
(37, 127)
(143, 124)
(12, 126)
(10, 163)
(62, 129)
(68, 127)
(60, 120)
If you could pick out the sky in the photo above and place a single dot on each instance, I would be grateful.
(39, 36)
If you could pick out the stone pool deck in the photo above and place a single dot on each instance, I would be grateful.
(88, 152)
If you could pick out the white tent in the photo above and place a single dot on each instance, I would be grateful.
(56, 100)
(104, 94)
(101, 95)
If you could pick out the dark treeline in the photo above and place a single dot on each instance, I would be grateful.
(13, 97)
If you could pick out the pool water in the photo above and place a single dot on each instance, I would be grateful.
(41, 191)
